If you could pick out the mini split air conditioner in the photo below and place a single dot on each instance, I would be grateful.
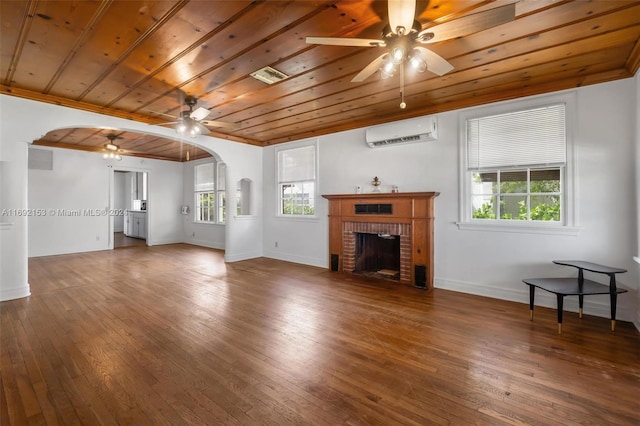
(421, 129)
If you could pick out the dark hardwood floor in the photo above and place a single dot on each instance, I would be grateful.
(120, 241)
(173, 335)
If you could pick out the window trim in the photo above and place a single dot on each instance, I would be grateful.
(569, 220)
(285, 147)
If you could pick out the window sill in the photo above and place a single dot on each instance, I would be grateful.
(298, 218)
(522, 228)
(245, 217)
(195, 222)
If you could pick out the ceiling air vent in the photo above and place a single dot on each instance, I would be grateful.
(269, 75)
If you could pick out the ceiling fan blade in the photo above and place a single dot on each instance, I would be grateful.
(345, 41)
(469, 24)
(161, 113)
(168, 122)
(369, 69)
(435, 63)
(226, 124)
(200, 114)
(401, 14)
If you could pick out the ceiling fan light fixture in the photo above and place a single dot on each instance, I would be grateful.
(388, 69)
(181, 128)
(188, 127)
(417, 62)
(112, 149)
(398, 54)
(112, 156)
(194, 131)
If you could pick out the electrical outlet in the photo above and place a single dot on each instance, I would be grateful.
(97, 237)
(276, 244)
(193, 235)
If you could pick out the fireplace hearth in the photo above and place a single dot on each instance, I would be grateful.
(386, 235)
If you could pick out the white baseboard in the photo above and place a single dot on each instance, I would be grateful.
(288, 257)
(67, 250)
(151, 242)
(237, 257)
(17, 292)
(205, 243)
(593, 305)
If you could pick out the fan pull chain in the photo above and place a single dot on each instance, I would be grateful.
(402, 104)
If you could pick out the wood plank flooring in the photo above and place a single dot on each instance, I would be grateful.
(173, 335)
(120, 240)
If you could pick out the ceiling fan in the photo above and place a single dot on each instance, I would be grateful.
(192, 123)
(113, 151)
(403, 36)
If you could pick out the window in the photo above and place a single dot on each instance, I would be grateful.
(210, 200)
(515, 167)
(297, 181)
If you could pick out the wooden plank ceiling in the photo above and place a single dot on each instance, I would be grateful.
(140, 59)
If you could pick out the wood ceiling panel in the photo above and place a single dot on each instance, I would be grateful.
(130, 143)
(179, 32)
(15, 24)
(543, 21)
(138, 59)
(105, 48)
(53, 30)
(268, 18)
(252, 27)
(273, 51)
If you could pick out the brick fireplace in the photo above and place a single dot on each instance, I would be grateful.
(406, 216)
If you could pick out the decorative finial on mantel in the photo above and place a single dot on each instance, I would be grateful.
(376, 183)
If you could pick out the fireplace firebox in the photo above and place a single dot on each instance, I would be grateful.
(378, 255)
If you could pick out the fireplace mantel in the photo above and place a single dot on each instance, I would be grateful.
(407, 214)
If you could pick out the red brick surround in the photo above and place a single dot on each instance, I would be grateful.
(349, 243)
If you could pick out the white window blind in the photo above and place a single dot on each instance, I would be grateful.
(297, 164)
(534, 137)
(204, 177)
(222, 171)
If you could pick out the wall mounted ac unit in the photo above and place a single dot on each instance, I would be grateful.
(421, 129)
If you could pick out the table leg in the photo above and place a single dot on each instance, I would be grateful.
(614, 300)
(580, 286)
(580, 303)
(613, 292)
(532, 292)
(560, 302)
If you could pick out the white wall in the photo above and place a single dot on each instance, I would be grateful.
(300, 240)
(13, 227)
(487, 262)
(75, 195)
